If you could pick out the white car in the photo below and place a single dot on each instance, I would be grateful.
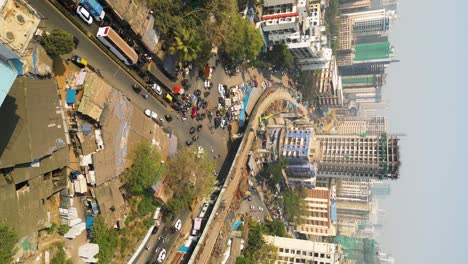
(151, 114)
(178, 225)
(157, 89)
(252, 207)
(162, 255)
(223, 123)
(221, 90)
(84, 14)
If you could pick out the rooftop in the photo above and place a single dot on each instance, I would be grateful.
(18, 21)
(32, 122)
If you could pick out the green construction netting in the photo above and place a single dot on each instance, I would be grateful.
(359, 80)
(372, 51)
(361, 250)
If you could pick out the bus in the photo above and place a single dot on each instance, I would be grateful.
(117, 45)
(196, 226)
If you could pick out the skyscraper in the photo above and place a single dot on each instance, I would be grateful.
(373, 126)
(365, 157)
(375, 22)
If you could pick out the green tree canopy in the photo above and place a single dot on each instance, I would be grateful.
(241, 40)
(8, 239)
(276, 228)
(258, 251)
(244, 260)
(274, 172)
(106, 238)
(58, 42)
(190, 176)
(294, 205)
(146, 169)
(186, 45)
(279, 56)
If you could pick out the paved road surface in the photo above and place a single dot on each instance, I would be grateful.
(235, 175)
(122, 81)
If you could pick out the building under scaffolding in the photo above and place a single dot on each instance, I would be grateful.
(361, 250)
(364, 157)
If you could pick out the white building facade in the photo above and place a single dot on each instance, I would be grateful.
(291, 251)
(298, 26)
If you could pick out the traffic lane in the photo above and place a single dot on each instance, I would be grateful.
(245, 209)
(168, 245)
(117, 77)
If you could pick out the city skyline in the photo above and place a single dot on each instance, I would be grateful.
(425, 210)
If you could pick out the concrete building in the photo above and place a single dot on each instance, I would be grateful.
(297, 24)
(294, 147)
(19, 22)
(329, 86)
(349, 6)
(352, 190)
(373, 126)
(320, 213)
(374, 22)
(365, 157)
(33, 153)
(292, 251)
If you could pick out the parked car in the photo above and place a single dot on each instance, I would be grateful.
(80, 62)
(223, 123)
(189, 143)
(84, 14)
(161, 256)
(194, 138)
(156, 88)
(194, 111)
(155, 230)
(151, 114)
(178, 225)
(192, 130)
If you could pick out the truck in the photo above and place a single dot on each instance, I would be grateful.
(94, 8)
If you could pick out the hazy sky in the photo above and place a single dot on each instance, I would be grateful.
(428, 208)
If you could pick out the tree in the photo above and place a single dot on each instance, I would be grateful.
(276, 228)
(8, 239)
(294, 205)
(58, 42)
(146, 169)
(258, 251)
(279, 56)
(244, 260)
(241, 40)
(186, 45)
(106, 238)
(189, 176)
(60, 257)
(274, 172)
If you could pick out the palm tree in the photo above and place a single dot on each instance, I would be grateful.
(185, 45)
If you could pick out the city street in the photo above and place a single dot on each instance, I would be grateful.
(149, 255)
(120, 80)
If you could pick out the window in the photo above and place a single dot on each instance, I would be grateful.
(322, 255)
(286, 250)
(281, 249)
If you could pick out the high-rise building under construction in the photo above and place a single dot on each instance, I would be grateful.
(358, 156)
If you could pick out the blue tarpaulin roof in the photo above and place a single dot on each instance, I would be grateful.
(71, 96)
(89, 222)
(236, 225)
